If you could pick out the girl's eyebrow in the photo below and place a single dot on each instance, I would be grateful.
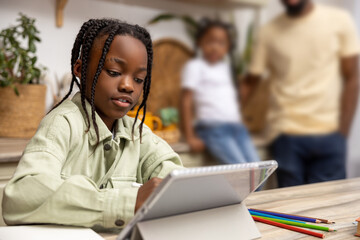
(123, 62)
(117, 60)
(142, 69)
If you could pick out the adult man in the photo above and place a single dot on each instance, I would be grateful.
(311, 54)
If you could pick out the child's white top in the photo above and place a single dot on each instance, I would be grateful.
(214, 92)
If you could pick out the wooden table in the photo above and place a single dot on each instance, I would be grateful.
(337, 200)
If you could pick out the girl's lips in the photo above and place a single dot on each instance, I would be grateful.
(119, 103)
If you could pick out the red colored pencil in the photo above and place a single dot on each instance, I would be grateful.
(296, 229)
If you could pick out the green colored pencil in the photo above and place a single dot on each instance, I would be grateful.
(304, 225)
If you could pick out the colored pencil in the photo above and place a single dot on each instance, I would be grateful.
(303, 225)
(292, 228)
(300, 218)
(272, 216)
(291, 216)
(326, 221)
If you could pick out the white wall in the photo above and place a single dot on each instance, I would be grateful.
(54, 51)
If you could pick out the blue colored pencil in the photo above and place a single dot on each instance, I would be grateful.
(272, 216)
(289, 216)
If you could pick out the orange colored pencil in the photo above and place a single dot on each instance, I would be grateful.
(295, 229)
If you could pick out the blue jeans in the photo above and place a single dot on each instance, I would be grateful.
(309, 159)
(229, 143)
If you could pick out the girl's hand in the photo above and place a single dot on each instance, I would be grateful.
(145, 191)
(196, 144)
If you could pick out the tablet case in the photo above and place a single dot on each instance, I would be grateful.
(230, 222)
(217, 213)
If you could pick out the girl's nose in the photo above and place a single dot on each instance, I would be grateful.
(126, 84)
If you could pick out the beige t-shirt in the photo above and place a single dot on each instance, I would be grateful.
(303, 57)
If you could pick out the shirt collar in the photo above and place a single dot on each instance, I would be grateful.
(123, 125)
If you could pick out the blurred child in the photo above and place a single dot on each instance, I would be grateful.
(208, 85)
(80, 166)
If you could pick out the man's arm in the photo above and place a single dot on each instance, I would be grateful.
(257, 67)
(195, 143)
(248, 88)
(350, 74)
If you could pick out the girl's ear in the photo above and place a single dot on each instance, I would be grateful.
(77, 68)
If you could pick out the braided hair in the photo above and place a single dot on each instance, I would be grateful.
(205, 24)
(97, 28)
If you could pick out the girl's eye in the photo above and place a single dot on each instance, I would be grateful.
(139, 80)
(113, 73)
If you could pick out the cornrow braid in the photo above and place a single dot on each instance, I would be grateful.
(86, 48)
(96, 28)
(97, 74)
(146, 88)
(75, 53)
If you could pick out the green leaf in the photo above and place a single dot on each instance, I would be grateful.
(37, 72)
(191, 26)
(15, 90)
(191, 32)
(32, 47)
(190, 21)
(162, 17)
(2, 57)
(11, 63)
(33, 60)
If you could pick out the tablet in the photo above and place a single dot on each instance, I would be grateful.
(195, 189)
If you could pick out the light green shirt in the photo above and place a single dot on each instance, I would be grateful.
(64, 178)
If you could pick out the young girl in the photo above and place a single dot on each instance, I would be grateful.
(208, 85)
(81, 165)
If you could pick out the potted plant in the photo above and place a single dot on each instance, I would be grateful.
(22, 97)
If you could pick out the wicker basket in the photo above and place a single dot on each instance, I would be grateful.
(20, 115)
(170, 136)
(170, 56)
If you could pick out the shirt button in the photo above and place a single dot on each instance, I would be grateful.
(119, 223)
(107, 147)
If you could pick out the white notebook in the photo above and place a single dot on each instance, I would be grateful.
(46, 232)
